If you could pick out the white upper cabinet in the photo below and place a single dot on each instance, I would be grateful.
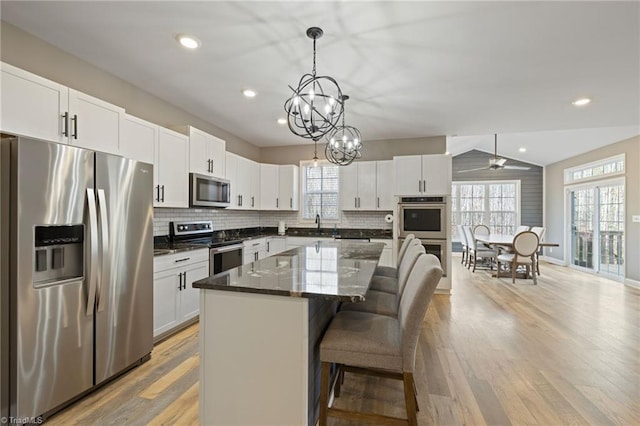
(138, 139)
(422, 175)
(34, 106)
(172, 162)
(384, 185)
(244, 175)
(288, 187)
(278, 187)
(94, 123)
(359, 188)
(206, 152)
(255, 185)
(269, 186)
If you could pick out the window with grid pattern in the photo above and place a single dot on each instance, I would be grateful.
(320, 191)
(495, 204)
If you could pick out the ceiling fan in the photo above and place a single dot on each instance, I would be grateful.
(496, 163)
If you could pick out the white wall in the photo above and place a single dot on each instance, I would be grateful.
(555, 200)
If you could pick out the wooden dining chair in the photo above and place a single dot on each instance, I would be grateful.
(525, 245)
(479, 250)
(539, 231)
(464, 242)
(379, 345)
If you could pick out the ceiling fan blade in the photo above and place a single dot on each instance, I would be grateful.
(473, 170)
(516, 167)
(501, 161)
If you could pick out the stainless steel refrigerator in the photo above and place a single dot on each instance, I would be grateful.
(77, 289)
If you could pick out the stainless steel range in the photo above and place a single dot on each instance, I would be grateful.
(224, 254)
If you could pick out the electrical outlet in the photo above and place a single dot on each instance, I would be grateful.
(635, 218)
(550, 249)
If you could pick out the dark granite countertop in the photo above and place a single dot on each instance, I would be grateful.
(162, 245)
(328, 270)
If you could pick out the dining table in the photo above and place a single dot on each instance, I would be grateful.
(506, 240)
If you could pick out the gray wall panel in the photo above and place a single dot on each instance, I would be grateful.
(531, 188)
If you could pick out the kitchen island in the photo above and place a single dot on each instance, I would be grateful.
(260, 330)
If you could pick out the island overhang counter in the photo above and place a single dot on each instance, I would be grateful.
(260, 329)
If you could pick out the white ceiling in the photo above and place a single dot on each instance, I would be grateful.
(412, 69)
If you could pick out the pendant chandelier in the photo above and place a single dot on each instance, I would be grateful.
(343, 143)
(315, 107)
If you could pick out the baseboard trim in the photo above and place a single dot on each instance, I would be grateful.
(553, 260)
(632, 283)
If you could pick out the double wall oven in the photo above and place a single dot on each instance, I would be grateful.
(426, 218)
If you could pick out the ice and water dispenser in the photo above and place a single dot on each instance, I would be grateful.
(58, 254)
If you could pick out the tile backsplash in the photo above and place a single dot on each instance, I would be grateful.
(233, 219)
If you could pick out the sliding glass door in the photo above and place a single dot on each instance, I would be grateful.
(597, 228)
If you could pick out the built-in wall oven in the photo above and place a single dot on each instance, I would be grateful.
(438, 248)
(424, 217)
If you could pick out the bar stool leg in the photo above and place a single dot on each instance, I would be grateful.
(324, 394)
(409, 398)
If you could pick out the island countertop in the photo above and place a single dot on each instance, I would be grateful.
(329, 270)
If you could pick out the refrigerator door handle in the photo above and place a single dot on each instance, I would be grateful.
(104, 231)
(93, 268)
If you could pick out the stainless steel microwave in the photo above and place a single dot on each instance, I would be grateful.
(208, 191)
(425, 217)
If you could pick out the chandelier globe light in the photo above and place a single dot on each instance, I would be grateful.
(343, 143)
(315, 106)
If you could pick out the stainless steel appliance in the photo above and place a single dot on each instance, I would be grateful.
(79, 276)
(224, 254)
(207, 191)
(425, 217)
(438, 248)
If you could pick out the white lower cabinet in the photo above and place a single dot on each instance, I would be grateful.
(386, 259)
(254, 250)
(276, 245)
(175, 301)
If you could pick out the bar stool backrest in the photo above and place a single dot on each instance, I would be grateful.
(414, 302)
(403, 248)
(404, 269)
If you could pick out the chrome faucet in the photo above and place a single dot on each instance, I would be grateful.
(318, 221)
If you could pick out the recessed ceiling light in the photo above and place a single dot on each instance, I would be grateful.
(249, 93)
(523, 150)
(282, 121)
(190, 42)
(581, 102)
(447, 153)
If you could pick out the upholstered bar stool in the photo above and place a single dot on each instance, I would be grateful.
(390, 284)
(389, 271)
(382, 303)
(361, 342)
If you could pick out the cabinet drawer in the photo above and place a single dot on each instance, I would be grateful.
(179, 260)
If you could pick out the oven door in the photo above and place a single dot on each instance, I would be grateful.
(438, 248)
(423, 220)
(224, 258)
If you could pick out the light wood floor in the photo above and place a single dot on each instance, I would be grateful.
(566, 351)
